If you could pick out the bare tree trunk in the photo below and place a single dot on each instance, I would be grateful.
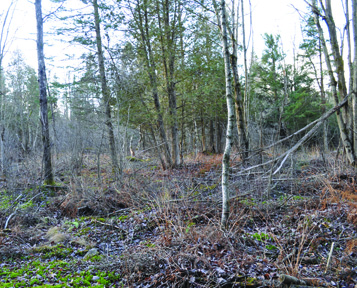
(344, 134)
(143, 24)
(105, 91)
(349, 55)
(168, 48)
(48, 174)
(231, 118)
(203, 133)
(323, 100)
(243, 141)
(211, 137)
(246, 76)
(354, 78)
(218, 135)
(53, 123)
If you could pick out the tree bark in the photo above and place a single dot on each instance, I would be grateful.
(48, 173)
(211, 137)
(105, 91)
(323, 99)
(168, 43)
(231, 119)
(142, 21)
(354, 78)
(341, 84)
(243, 140)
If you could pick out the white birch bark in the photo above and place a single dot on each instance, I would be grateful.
(231, 118)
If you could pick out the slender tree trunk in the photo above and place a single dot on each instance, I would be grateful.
(354, 78)
(203, 133)
(344, 134)
(323, 100)
(231, 119)
(246, 76)
(211, 136)
(168, 48)
(48, 174)
(183, 144)
(218, 135)
(105, 91)
(143, 24)
(349, 55)
(243, 140)
(338, 61)
(53, 123)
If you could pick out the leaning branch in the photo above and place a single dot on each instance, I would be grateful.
(317, 123)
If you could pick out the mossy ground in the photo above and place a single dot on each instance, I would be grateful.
(49, 271)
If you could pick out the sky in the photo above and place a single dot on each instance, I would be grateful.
(273, 16)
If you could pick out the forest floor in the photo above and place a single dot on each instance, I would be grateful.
(155, 228)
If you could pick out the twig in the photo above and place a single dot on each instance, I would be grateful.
(329, 257)
(8, 218)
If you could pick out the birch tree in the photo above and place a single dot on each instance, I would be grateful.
(231, 117)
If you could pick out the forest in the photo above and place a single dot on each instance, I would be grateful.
(166, 150)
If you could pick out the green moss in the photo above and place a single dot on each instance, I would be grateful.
(5, 201)
(261, 236)
(83, 231)
(134, 159)
(95, 258)
(57, 273)
(122, 218)
(58, 251)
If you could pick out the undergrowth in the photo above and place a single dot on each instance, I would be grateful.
(162, 228)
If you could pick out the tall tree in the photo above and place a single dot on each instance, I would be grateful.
(48, 173)
(5, 19)
(231, 117)
(169, 13)
(311, 48)
(142, 23)
(105, 90)
(338, 87)
(354, 78)
(241, 124)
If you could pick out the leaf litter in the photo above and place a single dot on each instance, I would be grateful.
(159, 228)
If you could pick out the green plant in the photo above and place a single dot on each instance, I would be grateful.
(189, 225)
(261, 236)
(122, 218)
(249, 202)
(271, 247)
